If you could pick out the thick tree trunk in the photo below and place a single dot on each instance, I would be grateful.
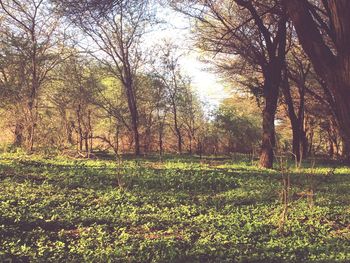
(268, 140)
(272, 75)
(272, 81)
(333, 69)
(343, 109)
(296, 143)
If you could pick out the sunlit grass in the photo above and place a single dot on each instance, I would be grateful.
(61, 209)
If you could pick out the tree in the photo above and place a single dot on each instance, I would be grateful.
(117, 28)
(31, 33)
(237, 124)
(295, 82)
(192, 117)
(323, 29)
(73, 93)
(257, 33)
(176, 84)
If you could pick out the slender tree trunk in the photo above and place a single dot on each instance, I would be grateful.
(89, 134)
(136, 138)
(160, 142)
(130, 93)
(177, 129)
(86, 140)
(311, 142)
(296, 120)
(179, 141)
(305, 145)
(80, 129)
(116, 144)
(32, 125)
(67, 127)
(18, 141)
(331, 148)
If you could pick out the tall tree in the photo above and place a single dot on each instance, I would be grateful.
(254, 31)
(323, 28)
(31, 31)
(295, 81)
(116, 28)
(169, 73)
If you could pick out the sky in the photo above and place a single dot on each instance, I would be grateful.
(177, 28)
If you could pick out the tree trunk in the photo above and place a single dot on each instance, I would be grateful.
(18, 141)
(345, 153)
(331, 148)
(160, 144)
(272, 76)
(268, 140)
(69, 126)
(333, 69)
(343, 110)
(86, 140)
(296, 143)
(296, 120)
(179, 140)
(130, 94)
(272, 80)
(305, 145)
(136, 137)
(177, 129)
(31, 125)
(80, 130)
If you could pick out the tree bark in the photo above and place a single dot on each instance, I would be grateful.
(296, 119)
(177, 128)
(272, 81)
(160, 142)
(130, 93)
(18, 140)
(271, 91)
(333, 66)
(80, 129)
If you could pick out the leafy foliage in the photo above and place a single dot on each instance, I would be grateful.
(182, 210)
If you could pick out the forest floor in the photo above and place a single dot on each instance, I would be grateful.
(181, 210)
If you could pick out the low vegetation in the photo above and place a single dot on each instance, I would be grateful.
(60, 209)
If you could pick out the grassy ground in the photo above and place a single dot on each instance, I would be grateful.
(181, 210)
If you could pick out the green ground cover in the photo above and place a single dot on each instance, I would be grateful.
(182, 210)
